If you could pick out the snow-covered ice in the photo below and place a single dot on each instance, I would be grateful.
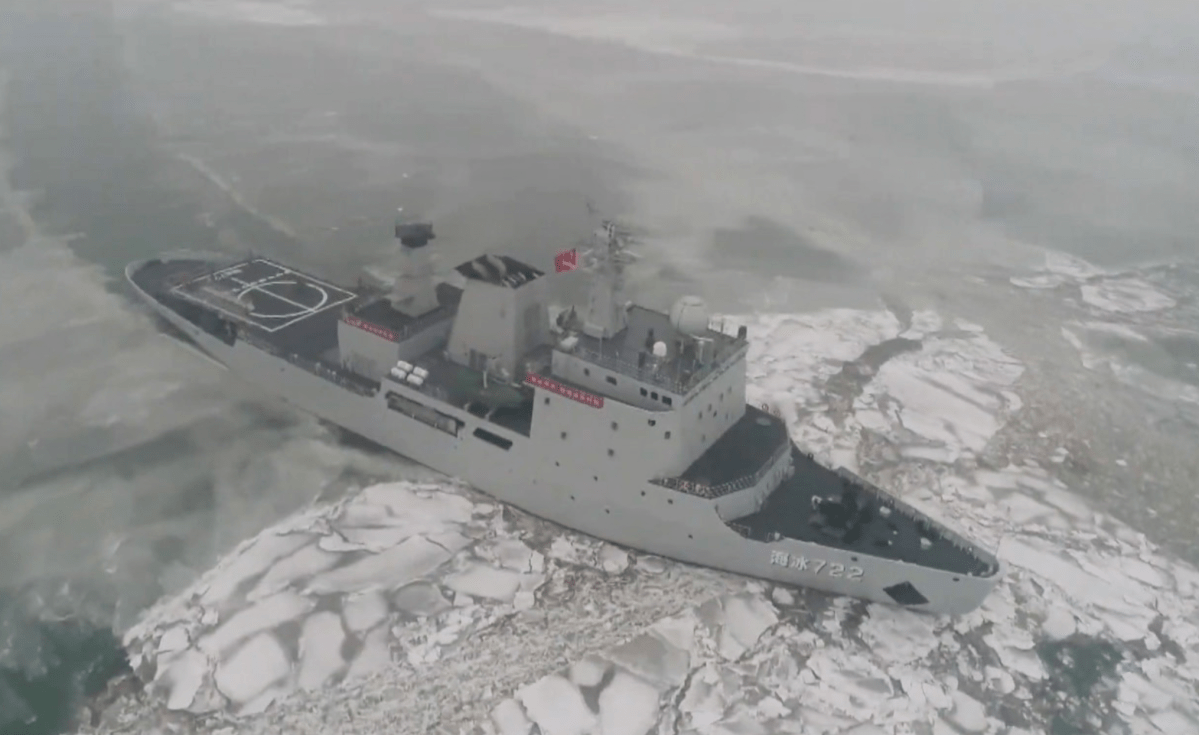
(451, 616)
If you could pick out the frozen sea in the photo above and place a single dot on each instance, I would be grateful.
(962, 242)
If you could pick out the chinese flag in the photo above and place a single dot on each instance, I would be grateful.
(567, 260)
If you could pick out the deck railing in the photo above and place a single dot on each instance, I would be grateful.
(926, 524)
(725, 488)
(410, 329)
(357, 384)
(656, 376)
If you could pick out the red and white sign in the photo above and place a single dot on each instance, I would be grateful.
(374, 329)
(573, 394)
(567, 260)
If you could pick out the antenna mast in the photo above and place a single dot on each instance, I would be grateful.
(606, 314)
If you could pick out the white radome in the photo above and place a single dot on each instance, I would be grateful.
(689, 315)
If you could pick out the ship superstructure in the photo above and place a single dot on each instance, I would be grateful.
(620, 421)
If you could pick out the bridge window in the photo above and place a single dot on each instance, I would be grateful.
(611, 380)
(654, 395)
(644, 392)
(668, 400)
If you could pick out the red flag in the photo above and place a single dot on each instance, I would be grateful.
(567, 260)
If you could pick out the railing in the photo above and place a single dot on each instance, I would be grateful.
(186, 276)
(931, 526)
(725, 488)
(654, 376)
(361, 386)
(412, 328)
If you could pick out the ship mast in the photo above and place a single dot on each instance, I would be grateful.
(606, 313)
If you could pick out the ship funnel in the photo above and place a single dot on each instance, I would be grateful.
(414, 292)
(414, 234)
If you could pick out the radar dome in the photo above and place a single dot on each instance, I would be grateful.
(659, 350)
(689, 315)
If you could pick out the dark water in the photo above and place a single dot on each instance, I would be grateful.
(52, 656)
(80, 139)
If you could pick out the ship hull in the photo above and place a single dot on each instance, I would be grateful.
(567, 490)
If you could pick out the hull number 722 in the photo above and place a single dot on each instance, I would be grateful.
(815, 566)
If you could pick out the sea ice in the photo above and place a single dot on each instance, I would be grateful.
(375, 655)
(1125, 295)
(248, 561)
(305, 563)
(628, 706)
(364, 611)
(396, 566)
(968, 713)
(510, 719)
(613, 559)
(480, 580)
(254, 667)
(420, 598)
(261, 616)
(320, 650)
(185, 676)
(557, 707)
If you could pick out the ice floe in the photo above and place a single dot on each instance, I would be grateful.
(414, 607)
(1128, 317)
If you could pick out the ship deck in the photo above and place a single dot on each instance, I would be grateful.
(294, 312)
(741, 451)
(836, 509)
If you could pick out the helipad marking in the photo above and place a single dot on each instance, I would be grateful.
(328, 296)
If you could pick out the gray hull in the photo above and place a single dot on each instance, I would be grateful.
(593, 496)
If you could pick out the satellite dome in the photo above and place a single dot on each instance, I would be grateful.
(659, 350)
(689, 315)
